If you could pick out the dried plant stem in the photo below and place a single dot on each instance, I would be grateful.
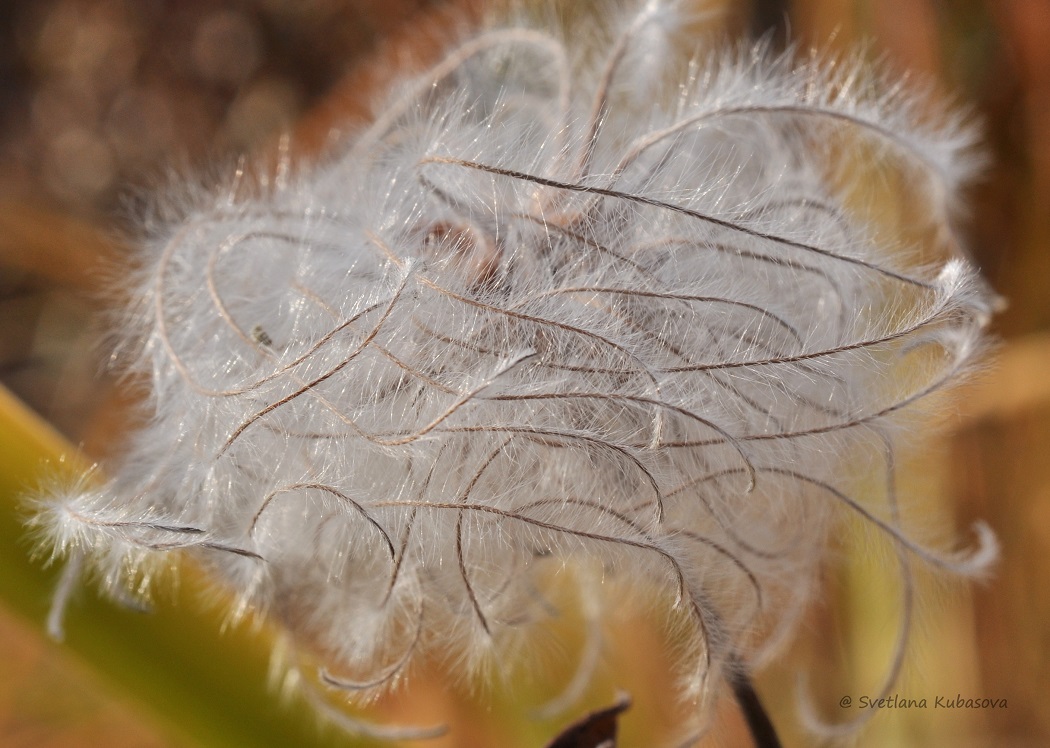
(763, 733)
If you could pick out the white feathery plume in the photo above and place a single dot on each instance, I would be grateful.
(522, 326)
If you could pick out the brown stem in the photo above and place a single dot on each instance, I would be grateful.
(758, 722)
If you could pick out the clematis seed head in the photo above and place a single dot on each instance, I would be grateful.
(529, 325)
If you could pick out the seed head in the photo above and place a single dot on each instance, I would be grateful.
(527, 326)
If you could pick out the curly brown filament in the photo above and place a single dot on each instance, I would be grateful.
(600, 104)
(343, 683)
(425, 281)
(729, 389)
(668, 296)
(959, 565)
(324, 377)
(811, 110)
(177, 359)
(689, 212)
(460, 402)
(727, 438)
(723, 522)
(570, 436)
(454, 61)
(641, 532)
(860, 420)
(587, 242)
(928, 319)
(359, 508)
(683, 592)
(464, 497)
(410, 524)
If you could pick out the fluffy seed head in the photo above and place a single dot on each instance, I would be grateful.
(523, 326)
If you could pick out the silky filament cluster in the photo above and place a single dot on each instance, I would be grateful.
(522, 328)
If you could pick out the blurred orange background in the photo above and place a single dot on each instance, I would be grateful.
(101, 99)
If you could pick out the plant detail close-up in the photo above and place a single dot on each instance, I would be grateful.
(581, 319)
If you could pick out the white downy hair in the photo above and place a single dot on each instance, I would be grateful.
(527, 325)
